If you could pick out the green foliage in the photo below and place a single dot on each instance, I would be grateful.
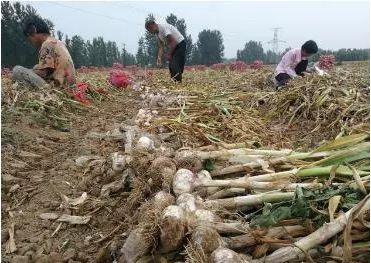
(207, 50)
(306, 205)
(147, 44)
(147, 48)
(189, 47)
(142, 57)
(150, 44)
(253, 50)
(15, 50)
(210, 48)
(195, 56)
(345, 54)
(208, 165)
(112, 53)
(178, 23)
(127, 58)
(78, 51)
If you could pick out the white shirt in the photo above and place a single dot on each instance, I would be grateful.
(165, 29)
(289, 61)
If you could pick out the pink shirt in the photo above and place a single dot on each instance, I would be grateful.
(289, 61)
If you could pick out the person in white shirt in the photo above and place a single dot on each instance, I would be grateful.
(294, 63)
(170, 36)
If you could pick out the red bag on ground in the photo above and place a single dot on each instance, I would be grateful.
(257, 64)
(326, 62)
(79, 94)
(238, 66)
(119, 79)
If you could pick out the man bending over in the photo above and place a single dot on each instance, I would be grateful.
(55, 63)
(170, 36)
(294, 63)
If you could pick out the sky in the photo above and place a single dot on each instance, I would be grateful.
(332, 25)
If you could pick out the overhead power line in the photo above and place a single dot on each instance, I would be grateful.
(227, 35)
(96, 14)
(137, 9)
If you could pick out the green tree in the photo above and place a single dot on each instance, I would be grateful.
(79, 51)
(253, 50)
(67, 42)
(142, 57)
(189, 47)
(98, 52)
(150, 43)
(113, 54)
(126, 58)
(14, 47)
(210, 48)
(195, 56)
(180, 24)
(16, 50)
(271, 57)
(60, 35)
(344, 54)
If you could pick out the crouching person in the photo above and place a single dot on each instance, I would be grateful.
(54, 63)
(294, 63)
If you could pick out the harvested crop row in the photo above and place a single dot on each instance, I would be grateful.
(245, 226)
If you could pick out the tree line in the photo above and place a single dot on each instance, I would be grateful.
(207, 50)
(16, 51)
(253, 50)
(345, 54)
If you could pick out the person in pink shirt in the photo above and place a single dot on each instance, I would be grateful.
(294, 63)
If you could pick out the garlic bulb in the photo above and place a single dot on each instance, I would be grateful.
(187, 202)
(173, 226)
(203, 215)
(118, 162)
(183, 181)
(145, 144)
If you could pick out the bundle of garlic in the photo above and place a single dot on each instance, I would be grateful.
(257, 201)
(144, 117)
(161, 99)
(140, 240)
(156, 100)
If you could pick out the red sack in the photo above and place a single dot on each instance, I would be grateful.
(119, 79)
(238, 66)
(326, 62)
(257, 64)
(79, 94)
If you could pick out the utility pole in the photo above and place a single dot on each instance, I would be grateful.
(275, 41)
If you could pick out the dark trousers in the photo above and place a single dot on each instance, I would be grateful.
(283, 78)
(176, 65)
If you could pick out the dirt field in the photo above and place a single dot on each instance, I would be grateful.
(42, 180)
(38, 168)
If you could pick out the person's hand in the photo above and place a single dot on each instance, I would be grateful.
(159, 62)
